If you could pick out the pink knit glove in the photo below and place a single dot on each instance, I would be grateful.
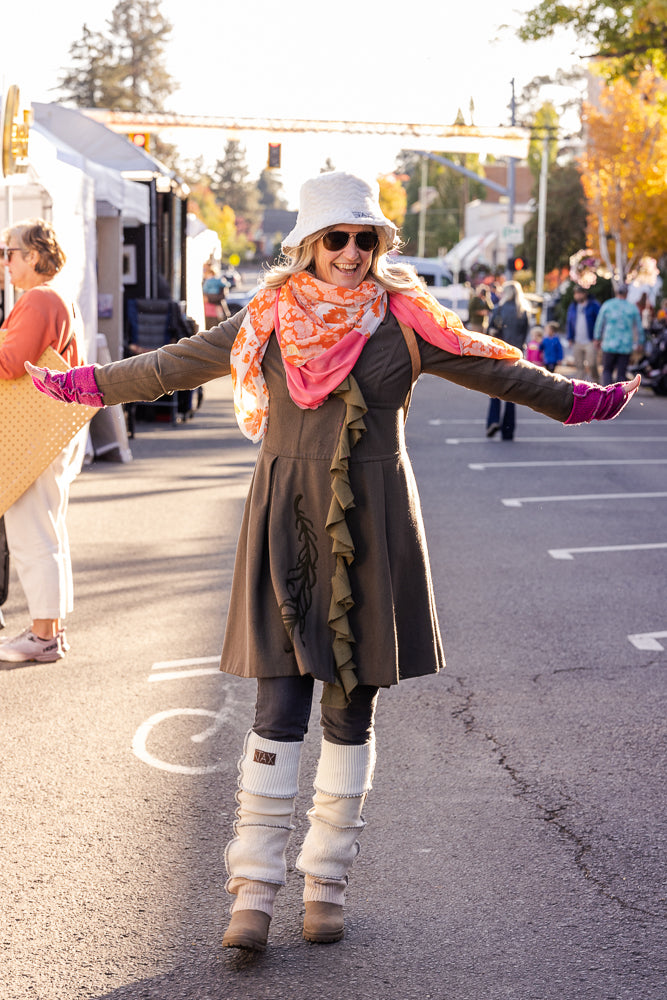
(77, 385)
(596, 402)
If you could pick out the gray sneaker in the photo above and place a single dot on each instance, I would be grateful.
(28, 646)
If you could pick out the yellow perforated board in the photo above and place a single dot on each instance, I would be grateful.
(34, 429)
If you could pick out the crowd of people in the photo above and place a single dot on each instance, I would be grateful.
(599, 338)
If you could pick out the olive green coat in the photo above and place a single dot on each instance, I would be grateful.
(280, 603)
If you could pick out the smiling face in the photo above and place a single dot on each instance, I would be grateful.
(347, 267)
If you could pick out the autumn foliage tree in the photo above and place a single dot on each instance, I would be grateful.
(624, 172)
(220, 218)
(393, 198)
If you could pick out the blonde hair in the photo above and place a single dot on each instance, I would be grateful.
(389, 274)
(512, 292)
(38, 235)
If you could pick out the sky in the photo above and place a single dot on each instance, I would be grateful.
(376, 60)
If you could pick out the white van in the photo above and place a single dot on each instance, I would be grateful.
(440, 282)
(432, 270)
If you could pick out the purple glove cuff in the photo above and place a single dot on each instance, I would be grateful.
(595, 402)
(77, 385)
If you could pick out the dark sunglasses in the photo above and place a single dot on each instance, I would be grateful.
(8, 251)
(336, 240)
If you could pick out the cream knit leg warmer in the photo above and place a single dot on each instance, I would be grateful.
(255, 858)
(344, 778)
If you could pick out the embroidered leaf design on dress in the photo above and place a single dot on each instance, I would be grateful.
(302, 578)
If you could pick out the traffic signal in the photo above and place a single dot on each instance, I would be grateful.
(140, 139)
(518, 264)
(274, 156)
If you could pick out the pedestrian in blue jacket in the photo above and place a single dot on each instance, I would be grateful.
(552, 349)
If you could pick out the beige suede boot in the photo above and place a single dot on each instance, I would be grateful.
(344, 777)
(255, 857)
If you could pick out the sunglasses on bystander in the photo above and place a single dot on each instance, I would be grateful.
(8, 251)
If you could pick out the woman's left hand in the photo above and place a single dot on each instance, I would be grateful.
(596, 402)
(630, 387)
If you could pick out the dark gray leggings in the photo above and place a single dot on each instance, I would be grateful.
(282, 712)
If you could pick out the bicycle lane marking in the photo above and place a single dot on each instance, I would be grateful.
(196, 667)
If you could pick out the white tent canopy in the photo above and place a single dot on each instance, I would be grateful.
(126, 197)
(77, 191)
(97, 142)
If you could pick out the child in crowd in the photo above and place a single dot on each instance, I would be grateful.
(534, 346)
(552, 349)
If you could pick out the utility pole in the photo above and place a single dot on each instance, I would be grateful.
(511, 185)
(541, 218)
(421, 240)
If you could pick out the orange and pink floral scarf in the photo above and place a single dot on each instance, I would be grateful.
(322, 330)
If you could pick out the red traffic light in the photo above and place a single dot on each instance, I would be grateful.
(519, 263)
(274, 155)
(140, 139)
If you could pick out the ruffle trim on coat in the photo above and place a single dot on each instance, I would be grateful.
(337, 695)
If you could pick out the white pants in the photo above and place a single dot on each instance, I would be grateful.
(37, 535)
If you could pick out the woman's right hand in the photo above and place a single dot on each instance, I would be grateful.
(77, 385)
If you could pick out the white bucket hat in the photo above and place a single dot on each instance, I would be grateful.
(336, 198)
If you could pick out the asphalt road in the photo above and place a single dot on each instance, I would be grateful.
(516, 830)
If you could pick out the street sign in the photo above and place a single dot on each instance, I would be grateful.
(512, 233)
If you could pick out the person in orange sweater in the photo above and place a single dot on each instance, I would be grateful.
(35, 524)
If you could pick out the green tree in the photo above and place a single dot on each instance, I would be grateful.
(124, 68)
(631, 35)
(447, 193)
(565, 219)
(544, 127)
(230, 186)
(270, 189)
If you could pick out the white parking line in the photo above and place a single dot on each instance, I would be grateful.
(518, 501)
(559, 440)
(195, 667)
(169, 664)
(648, 640)
(544, 421)
(570, 553)
(480, 466)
